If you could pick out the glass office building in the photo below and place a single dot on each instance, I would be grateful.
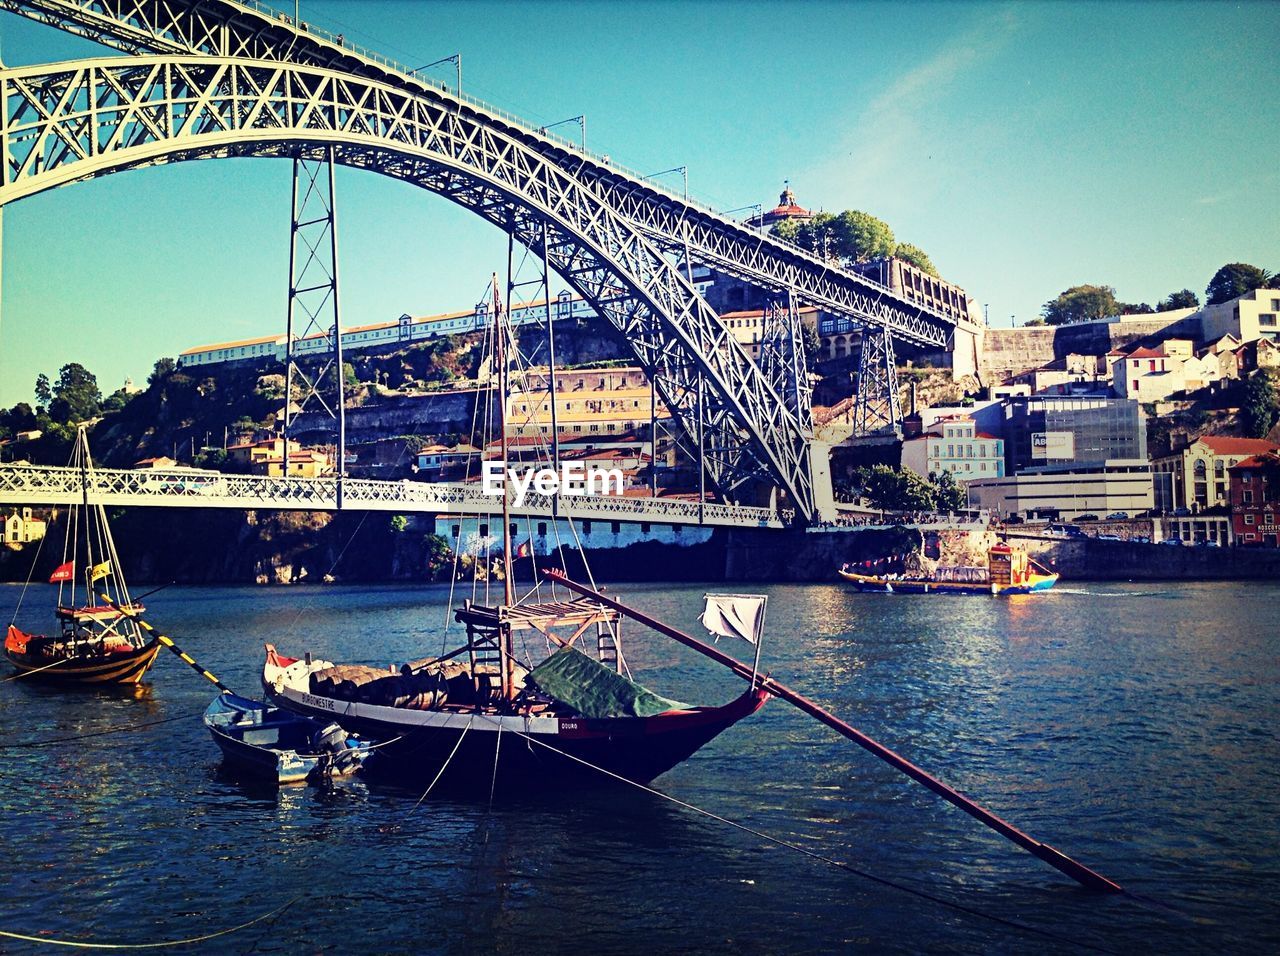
(1063, 432)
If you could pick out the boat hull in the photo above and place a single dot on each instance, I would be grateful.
(873, 583)
(110, 667)
(461, 747)
(271, 744)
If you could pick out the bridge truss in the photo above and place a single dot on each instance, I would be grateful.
(252, 82)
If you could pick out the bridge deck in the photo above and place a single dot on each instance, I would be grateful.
(46, 485)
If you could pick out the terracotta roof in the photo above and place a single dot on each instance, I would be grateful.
(234, 345)
(1270, 459)
(1227, 445)
(986, 436)
(756, 313)
(1147, 353)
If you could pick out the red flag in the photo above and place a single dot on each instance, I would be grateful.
(525, 549)
(63, 572)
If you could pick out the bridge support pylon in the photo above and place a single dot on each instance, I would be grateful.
(877, 411)
(313, 330)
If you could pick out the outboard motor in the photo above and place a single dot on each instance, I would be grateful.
(336, 758)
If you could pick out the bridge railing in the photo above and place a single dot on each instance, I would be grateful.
(35, 484)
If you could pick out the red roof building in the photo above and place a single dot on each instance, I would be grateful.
(1255, 501)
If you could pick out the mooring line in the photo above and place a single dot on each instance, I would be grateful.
(175, 942)
(838, 864)
(99, 733)
(444, 766)
(34, 670)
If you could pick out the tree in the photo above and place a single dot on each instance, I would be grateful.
(787, 230)
(1258, 412)
(812, 345)
(859, 236)
(950, 496)
(1186, 299)
(398, 524)
(1081, 303)
(116, 400)
(76, 396)
(163, 369)
(916, 256)
(895, 490)
(1135, 308)
(1233, 280)
(44, 394)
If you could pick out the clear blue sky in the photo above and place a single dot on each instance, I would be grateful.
(1026, 147)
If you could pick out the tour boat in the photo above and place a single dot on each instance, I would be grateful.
(1009, 571)
(99, 640)
(279, 746)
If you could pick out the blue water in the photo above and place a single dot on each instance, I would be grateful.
(1133, 727)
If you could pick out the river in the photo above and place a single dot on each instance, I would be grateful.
(1133, 727)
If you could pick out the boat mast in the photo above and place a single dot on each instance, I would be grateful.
(506, 644)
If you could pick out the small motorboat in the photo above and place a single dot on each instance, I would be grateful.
(278, 745)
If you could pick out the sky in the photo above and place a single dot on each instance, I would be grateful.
(1026, 147)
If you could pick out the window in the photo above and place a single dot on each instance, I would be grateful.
(1219, 469)
(1250, 536)
(514, 530)
(1200, 469)
(586, 527)
(1267, 319)
(457, 531)
(644, 527)
(542, 529)
(1247, 497)
(615, 527)
(484, 530)
(1249, 519)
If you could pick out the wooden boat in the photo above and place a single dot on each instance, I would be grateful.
(564, 719)
(95, 643)
(1009, 571)
(278, 745)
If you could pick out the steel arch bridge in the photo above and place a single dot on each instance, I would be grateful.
(617, 239)
(90, 118)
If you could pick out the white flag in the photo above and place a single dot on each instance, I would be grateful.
(734, 615)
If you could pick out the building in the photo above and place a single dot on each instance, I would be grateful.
(954, 445)
(602, 401)
(1255, 500)
(162, 462)
(22, 527)
(402, 331)
(440, 463)
(1099, 489)
(267, 458)
(1250, 317)
(786, 210)
(1198, 474)
(1149, 375)
(1064, 432)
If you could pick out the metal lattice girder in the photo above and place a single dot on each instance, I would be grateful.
(45, 485)
(877, 409)
(252, 30)
(91, 118)
(782, 358)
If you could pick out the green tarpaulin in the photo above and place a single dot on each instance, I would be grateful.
(593, 690)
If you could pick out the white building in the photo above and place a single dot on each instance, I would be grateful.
(1116, 485)
(954, 445)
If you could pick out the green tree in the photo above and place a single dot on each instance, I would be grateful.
(1258, 411)
(1186, 299)
(1135, 308)
(895, 490)
(859, 236)
(76, 396)
(812, 345)
(1081, 303)
(950, 496)
(116, 400)
(44, 393)
(787, 230)
(1233, 280)
(161, 370)
(439, 557)
(916, 256)
(398, 524)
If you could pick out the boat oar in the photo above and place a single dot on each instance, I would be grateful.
(186, 658)
(1055, 858)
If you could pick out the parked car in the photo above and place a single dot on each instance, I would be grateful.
(1141, 539)
(1110, 537)
(1210, 544)
(1181, 512)
(1172, 539)
(1118, 516)
(1086, 517)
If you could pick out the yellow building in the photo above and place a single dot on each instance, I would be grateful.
(606, 401)
(267, 458)
(1198, 474)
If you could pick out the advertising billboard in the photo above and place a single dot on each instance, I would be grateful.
(1053, 446)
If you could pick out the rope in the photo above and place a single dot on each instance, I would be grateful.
(99, 733)
(838, 864)
(36, 670)
(444, 766)
(176, 942)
